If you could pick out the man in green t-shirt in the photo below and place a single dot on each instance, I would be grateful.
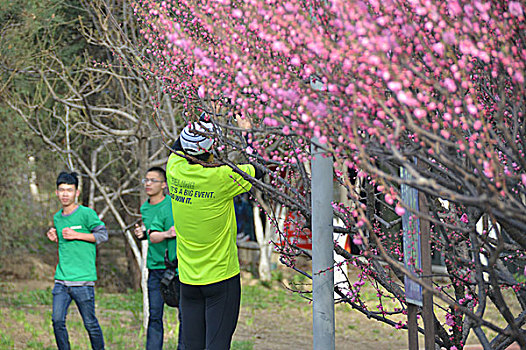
(205, 224)
(158, 222)
(77, 230)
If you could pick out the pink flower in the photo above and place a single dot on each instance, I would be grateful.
(349, 90)
(270, 122)
(464, 218)
(450, 85)
(488, 169)
(477, 125)
(523, 179)
(402, 97)
(518, 77)
(439, 49)
(173, 37)
(389, 199)
(295, 61)
(420, 113)
(515, 8)
(201, 92)
(454, 8)
(394, 86)
(279, 47)
(449, 319)
(399, 210)
(449, 37)
(357, 239)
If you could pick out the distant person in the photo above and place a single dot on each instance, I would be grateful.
(159, 230)
(244, 218)
(205, 223)
(78, 230)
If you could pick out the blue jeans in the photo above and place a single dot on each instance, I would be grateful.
(154, 333)
(85, 299)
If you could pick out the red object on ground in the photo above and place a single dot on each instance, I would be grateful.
(295, 233)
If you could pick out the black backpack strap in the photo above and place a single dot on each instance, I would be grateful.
(170, 264)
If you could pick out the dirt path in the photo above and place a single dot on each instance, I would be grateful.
(285, 329)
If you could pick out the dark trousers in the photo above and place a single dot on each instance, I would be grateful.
(210, 313)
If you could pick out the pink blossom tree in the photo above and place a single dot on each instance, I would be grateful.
(380, 85)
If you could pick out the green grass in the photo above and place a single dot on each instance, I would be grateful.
(31, 297)
(123, 302)
(6, 342)
(242, 345)
(25, 318)
(260, 296)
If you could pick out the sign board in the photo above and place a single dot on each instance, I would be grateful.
(411, 239)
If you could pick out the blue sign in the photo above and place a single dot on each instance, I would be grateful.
(411, 239)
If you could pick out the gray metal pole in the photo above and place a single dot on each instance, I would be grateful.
(322, 251)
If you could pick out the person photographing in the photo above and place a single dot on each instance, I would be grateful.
(204, 220)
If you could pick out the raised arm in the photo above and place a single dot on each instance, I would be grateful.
(159, 236)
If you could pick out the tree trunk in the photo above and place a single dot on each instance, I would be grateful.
(264, 257)
(143, 167)
(144, 284)
(264, 236)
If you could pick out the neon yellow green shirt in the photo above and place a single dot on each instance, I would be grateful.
(204, 219)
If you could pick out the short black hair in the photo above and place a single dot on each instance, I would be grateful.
(159, 170)
(203, 157)
(68, 178)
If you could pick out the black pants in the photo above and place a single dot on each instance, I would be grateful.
(209, 314)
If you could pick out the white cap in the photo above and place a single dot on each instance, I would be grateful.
(194, 139)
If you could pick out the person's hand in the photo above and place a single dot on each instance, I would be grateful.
(69, 234)
(139, 233)
(159, 236)
(171, 233)
(52, 234)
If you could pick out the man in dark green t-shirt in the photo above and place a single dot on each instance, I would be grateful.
(158, 222)
(77, 230)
